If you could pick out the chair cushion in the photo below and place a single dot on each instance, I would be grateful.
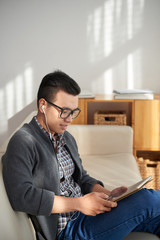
(141, 236)
(113, 170)
(102, 139)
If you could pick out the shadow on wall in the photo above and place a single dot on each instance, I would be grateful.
(16, 120)
(16, 98)
(19, 117)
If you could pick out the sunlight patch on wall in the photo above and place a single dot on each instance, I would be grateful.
(130, 72)
(118, 7)
(94, 34)
(127, 73)
(108, 83)
(134, 17)
(142, 2)
(134, 69)
(19, 89)
(9, 99)
(28, 84)
(3, 122)
(97, 25)
(104, 84)
(130, 19)
(112, 29)
(19, 92)
(108, 27)
(15, 96)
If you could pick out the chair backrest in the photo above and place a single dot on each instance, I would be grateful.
(102, 139)
(13, 225)
(26, 120)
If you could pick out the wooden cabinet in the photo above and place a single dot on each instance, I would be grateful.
(142, 115)
(147, 125)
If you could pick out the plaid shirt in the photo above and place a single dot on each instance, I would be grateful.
(68, 187)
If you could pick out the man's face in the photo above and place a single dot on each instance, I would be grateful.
(54, 121)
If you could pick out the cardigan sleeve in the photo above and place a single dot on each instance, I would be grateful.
(18, 167)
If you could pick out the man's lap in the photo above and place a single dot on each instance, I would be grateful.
(140, 211)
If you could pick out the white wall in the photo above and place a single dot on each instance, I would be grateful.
(103, 44)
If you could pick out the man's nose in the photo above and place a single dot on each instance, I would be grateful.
(69, 118)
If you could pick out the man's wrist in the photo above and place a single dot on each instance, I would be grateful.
(66, 204)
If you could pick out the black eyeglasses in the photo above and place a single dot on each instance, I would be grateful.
(66, 112)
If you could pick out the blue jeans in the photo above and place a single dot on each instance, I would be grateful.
(138, 212)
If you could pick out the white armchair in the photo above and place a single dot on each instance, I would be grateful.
(104, 150)
(106, 153)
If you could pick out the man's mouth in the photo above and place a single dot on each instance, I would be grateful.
(64, 127)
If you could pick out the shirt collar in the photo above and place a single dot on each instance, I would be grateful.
(58, 136)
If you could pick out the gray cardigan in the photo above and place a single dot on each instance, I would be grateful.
(31, 177)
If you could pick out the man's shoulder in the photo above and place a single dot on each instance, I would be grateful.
(21, 135)
(24, 134)
(68, 135)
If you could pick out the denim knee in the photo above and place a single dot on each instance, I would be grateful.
(149, 199)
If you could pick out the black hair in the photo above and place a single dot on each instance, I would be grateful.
(54, 82)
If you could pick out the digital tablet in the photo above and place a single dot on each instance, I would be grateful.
(132, 189)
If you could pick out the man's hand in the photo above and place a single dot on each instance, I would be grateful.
(111, 194)
(95, 203)
(90, 204)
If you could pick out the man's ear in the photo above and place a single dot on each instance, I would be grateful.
(42, 105)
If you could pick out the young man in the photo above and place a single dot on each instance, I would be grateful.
(44, 176)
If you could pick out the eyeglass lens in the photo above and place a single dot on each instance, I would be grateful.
(67, 112)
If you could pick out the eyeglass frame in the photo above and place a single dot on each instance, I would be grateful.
(62, 109)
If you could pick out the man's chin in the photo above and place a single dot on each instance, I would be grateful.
(63, 128)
